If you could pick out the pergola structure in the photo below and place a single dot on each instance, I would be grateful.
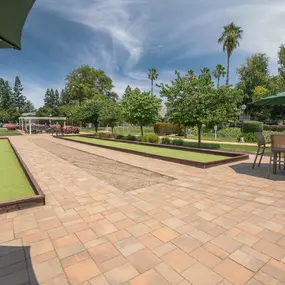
(27, 121)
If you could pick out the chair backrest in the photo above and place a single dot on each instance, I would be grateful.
(278, 142)
(260, 138)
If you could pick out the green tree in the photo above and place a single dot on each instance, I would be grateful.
(47, 111)
(152, 75)
(230, 39)
(19, 100)
(218, 73)
(110, 113)
(63, 98)
(260, 92)
(281, 61)
(51, 98)
(196, 102)
(29, 107)
(4, 116)
(140, 108)
(253, 73)
(85, 81)
(6, 95)
(89, 112)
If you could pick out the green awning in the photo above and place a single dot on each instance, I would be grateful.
(275, 100)
(13, 14)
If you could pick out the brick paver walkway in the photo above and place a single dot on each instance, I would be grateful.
(224, 225)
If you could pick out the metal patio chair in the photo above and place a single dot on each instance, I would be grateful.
(261, 147)
(277, 148)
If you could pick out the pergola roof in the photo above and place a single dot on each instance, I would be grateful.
(44, 118)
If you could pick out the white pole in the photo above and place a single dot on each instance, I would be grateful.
(64, 124)
(30, 126)
(22, 125)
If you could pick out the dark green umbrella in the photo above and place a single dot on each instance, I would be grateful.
(13, 14)
(275, 100)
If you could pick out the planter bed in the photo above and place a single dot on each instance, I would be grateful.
(18, 188)
(201, 158)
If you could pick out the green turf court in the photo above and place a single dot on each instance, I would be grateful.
(13, 181)
(173, 153)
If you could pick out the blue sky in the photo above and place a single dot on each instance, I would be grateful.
(127, 37)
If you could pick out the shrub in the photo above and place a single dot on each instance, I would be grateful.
(130, 138)
(252, 127)
(151, 138)
(248, 137)
(177, 142)
(119, 136)
(105, 135)
(229, 132)
(274, 128)
(166, 141)
(164, 129)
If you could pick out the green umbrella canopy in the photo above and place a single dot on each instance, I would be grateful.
(13, 14)
(275, 100)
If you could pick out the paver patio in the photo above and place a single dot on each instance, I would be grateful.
(224, 225)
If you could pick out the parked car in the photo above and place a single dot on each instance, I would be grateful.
(10, 127)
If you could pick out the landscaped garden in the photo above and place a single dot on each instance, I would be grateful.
(7, 133)
(13, 183)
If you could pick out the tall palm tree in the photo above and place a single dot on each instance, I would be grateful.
(230, 39)
(219, 72)
(152, 75)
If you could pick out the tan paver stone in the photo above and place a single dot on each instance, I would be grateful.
(49, 224)
(205, 257)
(43, 257)
(57, 232)
(103, 252)
(246, 260)
(168, 273)
(186, 243)
(178, 260)
(270, 249)
(47, 270)
(275, 269)
(103, 227)
(67, 246)
(124, 224)
(86, 235)
(165, 234)
(129, 246)
(216, 250)
(164, 248)
(59, 280)
(82, 271)
(199, 274)
(95, 242)
(150, 277)
(99, 280)
(270, 235)
(173, 223)
(138, 230)
(247, 238)
(254, 253)
(116, 217)
(226, 243)
(34, 237)
(39, 248)
(92, 218)
(233, 272)
(121, 274)
(77, 228)
(119, 235)
(150, 241)
(266, 279)
(253, 281)
(71, 260)
(112, 263)
(143, 260)
(250, 227)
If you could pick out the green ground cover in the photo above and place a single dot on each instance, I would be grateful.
(13, 182)
(180, 154)
(5, 133)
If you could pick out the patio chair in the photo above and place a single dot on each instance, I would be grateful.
(277, 148)
(261, 147)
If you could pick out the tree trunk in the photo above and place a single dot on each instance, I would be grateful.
(199, 136)
(218, 82)
(228, 70)
(141, 130)
(96, 127)
(112, 129)
(151, 87)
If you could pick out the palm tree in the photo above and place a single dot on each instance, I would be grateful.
(219, 72)
(152, 75)
(230, 40)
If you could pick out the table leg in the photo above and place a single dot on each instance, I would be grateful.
(275, 163)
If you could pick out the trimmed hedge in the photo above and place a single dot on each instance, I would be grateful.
(274, 128)
(252, 127)
(151, 138)
(164, 129)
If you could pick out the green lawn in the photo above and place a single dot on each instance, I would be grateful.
(13, 182)
(5, 133)
(180, 154)
(132, 130)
